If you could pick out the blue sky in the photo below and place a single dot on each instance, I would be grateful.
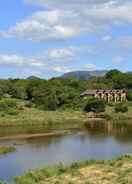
(48, 38)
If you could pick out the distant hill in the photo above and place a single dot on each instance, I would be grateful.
(84, 75)
(33, 78)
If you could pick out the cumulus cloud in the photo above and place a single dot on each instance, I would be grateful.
(62, 53)
(90, 67)
(107, 38)
(59, 23)
(20, 61)
(45, 25)
(72, 3)
(11, 59)
(58, 60)
(60, 69)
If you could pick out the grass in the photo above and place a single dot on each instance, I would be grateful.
(118, 117)
(33, 120)
(33, 116)
(6, 149)
(117, 171)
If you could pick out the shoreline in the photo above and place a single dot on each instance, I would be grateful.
(90, 171)
(34, 135)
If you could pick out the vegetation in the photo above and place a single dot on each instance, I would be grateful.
(6, 149)
(95, 105)
(58, 93)
(121, 107)
(35, 101)
(33, 116)
(87, 172)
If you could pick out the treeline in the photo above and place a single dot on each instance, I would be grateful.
(60, 93)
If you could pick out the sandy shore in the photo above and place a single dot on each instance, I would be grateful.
(27, 136)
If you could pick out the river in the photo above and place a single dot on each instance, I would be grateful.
(96, 141)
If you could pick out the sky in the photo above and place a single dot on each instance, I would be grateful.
(47, 38)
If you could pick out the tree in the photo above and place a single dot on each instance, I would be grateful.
(112, 73)
(95, 105)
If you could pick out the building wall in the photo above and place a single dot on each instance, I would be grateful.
(109, 97)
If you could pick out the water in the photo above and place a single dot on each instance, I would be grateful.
(97, 141)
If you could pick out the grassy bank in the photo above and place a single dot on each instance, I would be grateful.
(6, 149)
(89, 172)
(32, 120)
(118, 117)
(33, 116)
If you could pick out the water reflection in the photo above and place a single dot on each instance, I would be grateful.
(97, 141)
(121, 131)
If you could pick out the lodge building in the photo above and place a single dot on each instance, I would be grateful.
(109, 95)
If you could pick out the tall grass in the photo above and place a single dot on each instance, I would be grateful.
(111, 172)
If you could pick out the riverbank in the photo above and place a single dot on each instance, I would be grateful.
(110, 114)
(35, 121)
(35, 135)
(88, 172)
(34, 116)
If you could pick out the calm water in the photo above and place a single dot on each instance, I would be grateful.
(97, 141)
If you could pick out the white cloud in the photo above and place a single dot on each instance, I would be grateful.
(45, 25)
(107, 38)
(11, 59)
(60, 69)
(90, 67)
(72, 3)
(61, 53)
(58, 60)
(58, 23)
(20, 61)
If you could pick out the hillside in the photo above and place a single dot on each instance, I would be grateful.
(84, 75)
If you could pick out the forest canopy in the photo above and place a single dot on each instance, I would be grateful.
(58, 93)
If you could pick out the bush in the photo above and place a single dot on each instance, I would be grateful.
(95, 105)
(6, 104)
(129, 96)
(121, 108)
(29, 104)
(12, 112)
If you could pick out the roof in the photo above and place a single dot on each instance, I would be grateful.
(93, 92)
(89, 92)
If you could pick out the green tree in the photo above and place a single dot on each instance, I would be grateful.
(112, 73)
(95, 105)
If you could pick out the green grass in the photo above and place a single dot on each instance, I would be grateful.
(117, 171)
(33, 116)
(118, 117)
(33, 120)
(6, 149)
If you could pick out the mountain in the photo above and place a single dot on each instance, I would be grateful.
(33, 78)
(84, 75)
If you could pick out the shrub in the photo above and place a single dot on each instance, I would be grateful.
(29, 104)
(121, 108)
(129, 96)
(12, 112)
(6, 104)
(5, 149)
(95, 105)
